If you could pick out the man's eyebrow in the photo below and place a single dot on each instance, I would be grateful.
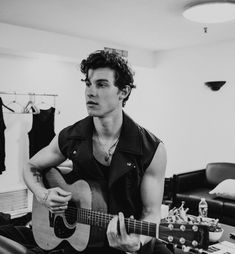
(85, 80)
(98, 80)
(105, 80)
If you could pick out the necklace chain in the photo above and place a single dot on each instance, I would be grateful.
(110, 151)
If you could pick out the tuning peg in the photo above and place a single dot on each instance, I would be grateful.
(182, 227)
(170, 238)
(195, 228)
(170, 226)
(194, 243)
(182, 240)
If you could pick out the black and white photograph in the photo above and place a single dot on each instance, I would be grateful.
(117, 126)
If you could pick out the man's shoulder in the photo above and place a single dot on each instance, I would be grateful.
(145, 131)
(148, 138)
(150, 135)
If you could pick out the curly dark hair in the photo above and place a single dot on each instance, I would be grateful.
(124, 75)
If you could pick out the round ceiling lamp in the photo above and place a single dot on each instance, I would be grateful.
(211, 12)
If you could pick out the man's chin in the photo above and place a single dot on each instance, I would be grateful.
(93, 113)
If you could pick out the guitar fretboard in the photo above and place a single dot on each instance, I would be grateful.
(101, 219)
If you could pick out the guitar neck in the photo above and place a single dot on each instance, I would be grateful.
(100, 219)
(182, 234)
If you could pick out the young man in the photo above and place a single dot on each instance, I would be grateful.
(111, 150)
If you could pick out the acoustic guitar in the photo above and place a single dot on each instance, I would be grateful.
(85, 220)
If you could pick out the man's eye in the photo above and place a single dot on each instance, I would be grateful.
(87, 83)
(101, 84)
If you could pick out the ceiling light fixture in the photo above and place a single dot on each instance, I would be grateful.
(211, 12)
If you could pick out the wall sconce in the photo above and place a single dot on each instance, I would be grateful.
(215, 85)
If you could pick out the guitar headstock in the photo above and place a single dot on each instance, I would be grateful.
(193, 235)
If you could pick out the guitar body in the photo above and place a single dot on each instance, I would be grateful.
(51, 229)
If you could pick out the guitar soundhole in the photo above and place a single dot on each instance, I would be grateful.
(60, 229)
(71, 213)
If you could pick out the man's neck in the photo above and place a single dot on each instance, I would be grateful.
(109, 127)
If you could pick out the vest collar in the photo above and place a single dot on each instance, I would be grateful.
(122, 161)
(129, 140)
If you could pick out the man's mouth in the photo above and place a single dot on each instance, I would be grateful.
(91, 103)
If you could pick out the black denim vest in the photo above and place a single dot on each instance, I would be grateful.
(131, 158)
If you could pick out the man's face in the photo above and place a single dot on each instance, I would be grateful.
(102, 96)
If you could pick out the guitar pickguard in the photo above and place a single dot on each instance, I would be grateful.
(65, 224)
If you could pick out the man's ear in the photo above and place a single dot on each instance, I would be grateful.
(125, 92)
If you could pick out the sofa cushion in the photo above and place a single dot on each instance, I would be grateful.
(219, 171)
(225, 189)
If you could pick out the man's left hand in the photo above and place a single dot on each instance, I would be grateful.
(118, 237)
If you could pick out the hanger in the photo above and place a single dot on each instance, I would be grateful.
(5, 106)
(30, 106)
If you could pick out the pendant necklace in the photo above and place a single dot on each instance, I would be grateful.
(110, 151)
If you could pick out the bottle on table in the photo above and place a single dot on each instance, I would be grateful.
(203, 208)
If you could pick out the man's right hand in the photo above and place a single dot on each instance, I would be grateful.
(56, 199)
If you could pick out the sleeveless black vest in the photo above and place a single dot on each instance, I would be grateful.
(131, 158)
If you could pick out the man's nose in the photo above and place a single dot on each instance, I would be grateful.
(91, 90)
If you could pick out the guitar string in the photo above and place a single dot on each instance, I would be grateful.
(98, 214)
(135, 223)
(105, 218)
(92, 213)
(141, 226)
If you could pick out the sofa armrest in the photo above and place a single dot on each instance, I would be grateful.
(189, 180)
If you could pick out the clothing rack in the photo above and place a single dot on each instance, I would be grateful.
(31, 102)
(28, 94)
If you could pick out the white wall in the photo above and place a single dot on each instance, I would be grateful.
(197, 124)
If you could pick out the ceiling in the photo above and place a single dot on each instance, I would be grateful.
(147, 24)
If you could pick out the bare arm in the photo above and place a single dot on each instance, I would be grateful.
(152, 188)
(47, 157)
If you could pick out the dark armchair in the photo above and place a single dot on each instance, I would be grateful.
(191, 186)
